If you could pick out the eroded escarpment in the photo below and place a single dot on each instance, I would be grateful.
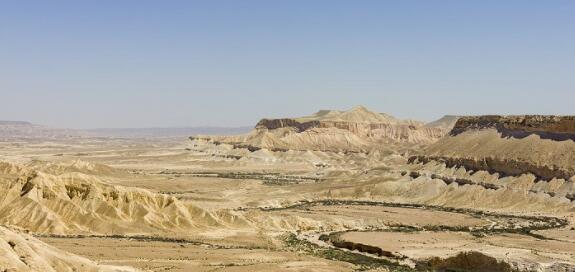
(449, 180)
(468, 261)
(357, 130)
(355, 127)
(76, 203)
(398, 130)
(503, 167)
(336, 241)
(543, 146)
(286, 122)
(559, 128)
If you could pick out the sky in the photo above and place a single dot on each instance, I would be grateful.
(140, 63)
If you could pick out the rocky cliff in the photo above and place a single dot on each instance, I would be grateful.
(286, 122)
(67, 200)
(398, 132)
(509, 145)
(558, 128)
(356, 130)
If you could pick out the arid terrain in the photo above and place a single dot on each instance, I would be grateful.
(349, 190)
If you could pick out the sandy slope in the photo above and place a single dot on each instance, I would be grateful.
(74, 202)
(221, 194)
(22, 252)
(512, 145)
(356, 130)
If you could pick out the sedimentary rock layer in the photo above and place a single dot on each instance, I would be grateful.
(509, 145)
(77, 203)
(559, 128)
(356, 130)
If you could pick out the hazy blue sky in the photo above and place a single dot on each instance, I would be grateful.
(143, 63)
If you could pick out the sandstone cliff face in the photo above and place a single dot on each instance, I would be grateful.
(397, 132)
(363, 123)
(509, 145)
(546, 126)
(286, 122)
(356, 130)
(64, 200)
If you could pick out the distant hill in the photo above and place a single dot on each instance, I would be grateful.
(359, 114)
(446, 122)
(27, 130)
(14, 123)
(22, 129)
(356, 130)
(164, 132)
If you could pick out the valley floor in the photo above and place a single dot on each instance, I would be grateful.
(295, 210)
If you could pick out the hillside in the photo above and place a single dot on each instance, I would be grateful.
(356, 130)
(22, 252)
(446, 122)
(510, 145)
(74, 199)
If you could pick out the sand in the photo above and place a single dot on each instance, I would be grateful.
(175, 204)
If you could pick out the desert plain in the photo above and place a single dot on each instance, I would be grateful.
(352, 190)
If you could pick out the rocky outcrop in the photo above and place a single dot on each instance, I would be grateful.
(468, 261)
(509, 145)
(77, 203)
(504, 167)
(364, 248)
(360, 122)
(356, 130)
(286, 122)
(355, 127)
(559, 128)
(395, 131)
(449, 180)
(477, 261)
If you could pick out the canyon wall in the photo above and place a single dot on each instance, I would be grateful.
(509, 145)
(559, 128)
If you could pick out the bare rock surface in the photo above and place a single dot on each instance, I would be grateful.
(356, 130)
(262, 201)
(510, 145)
(71, 202)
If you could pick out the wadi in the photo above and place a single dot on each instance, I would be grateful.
(337, 190)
